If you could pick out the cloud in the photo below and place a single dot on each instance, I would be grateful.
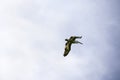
(32, 40)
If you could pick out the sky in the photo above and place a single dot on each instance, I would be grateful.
(33, 33)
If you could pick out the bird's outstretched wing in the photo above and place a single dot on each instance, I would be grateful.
(75, 37)
(75, 42)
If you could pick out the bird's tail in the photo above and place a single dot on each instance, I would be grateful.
(66, 53)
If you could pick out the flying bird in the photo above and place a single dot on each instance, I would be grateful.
(70, 41)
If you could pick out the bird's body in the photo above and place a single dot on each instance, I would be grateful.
(67, 48)
(68, 44)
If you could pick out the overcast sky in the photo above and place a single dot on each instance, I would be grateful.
(32, 34)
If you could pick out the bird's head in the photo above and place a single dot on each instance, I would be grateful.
(66, 39)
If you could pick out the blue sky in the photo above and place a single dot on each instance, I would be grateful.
(32, 34)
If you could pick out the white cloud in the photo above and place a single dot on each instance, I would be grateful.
(32, 40)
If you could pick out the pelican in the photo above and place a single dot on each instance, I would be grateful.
(69, 42)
